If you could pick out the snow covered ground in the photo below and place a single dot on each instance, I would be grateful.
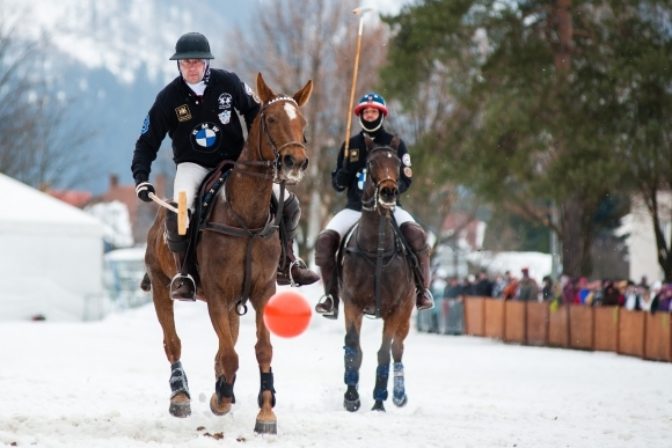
(105, 384)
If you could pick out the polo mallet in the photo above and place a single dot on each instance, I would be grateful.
(181, 210)
(358, 12)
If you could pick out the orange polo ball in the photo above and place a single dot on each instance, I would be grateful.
(287, 314)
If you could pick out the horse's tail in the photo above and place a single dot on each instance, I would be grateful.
(146, 284)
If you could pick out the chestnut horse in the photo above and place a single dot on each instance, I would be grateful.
(238, 252)
(376, 278)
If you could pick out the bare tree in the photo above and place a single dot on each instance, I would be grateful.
(37, 145)
(291, 41)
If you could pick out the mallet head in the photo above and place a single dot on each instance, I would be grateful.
(360, 11)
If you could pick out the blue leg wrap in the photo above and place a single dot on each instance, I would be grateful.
(399, 390)
(382, 374)
(351, 377)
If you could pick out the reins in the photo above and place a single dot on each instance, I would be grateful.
(272, 225)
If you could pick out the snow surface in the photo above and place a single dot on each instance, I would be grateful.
(105, 384)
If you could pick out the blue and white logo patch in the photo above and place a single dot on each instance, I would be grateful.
(225, 116)
(205, 136)
(361, 178)
(145, 125)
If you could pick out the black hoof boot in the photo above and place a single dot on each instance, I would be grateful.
(351, 400)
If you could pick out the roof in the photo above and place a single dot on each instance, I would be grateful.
(26, 210)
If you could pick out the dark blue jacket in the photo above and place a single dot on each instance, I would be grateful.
(203, 129)
(351, 176)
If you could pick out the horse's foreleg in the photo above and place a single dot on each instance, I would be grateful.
(179, 398)
(266, 420)
(353, 357)
(226, 360)
(399, 397)
(383, 369)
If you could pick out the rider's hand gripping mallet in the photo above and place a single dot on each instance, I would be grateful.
(181, 210)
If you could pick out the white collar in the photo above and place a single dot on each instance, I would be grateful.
(198, 88)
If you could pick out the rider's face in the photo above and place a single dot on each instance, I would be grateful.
(192, 70)
(370, 114)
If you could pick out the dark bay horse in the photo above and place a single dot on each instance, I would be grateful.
(376, 278)
(238, 251)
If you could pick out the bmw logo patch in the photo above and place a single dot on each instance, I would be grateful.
(205, 136)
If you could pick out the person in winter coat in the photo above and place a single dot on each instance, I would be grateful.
(199, 111)
(349, 175)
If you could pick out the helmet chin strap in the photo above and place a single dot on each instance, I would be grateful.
(372, 126)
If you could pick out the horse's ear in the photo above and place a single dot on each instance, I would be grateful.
(301, 97)
(265, 93)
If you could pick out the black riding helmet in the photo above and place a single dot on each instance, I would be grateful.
(192, 46)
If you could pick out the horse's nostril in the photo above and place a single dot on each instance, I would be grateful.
(304, 165)
(288, 161)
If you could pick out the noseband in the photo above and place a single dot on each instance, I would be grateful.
(374, 203)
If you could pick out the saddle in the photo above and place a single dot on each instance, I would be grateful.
(207, 193)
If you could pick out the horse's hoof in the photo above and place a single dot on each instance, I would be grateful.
(218, 408)
(266, 427)
(352, 405)
(378, 406)
(180, 406)
(401, 401)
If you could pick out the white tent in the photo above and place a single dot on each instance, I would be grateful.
(51, 257)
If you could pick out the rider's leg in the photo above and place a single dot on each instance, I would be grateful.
(292, 270)
(187, 178)
(417, 240)
(326, 248)
(182, 286)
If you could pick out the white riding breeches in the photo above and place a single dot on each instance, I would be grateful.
(189, 177)
(346, 218)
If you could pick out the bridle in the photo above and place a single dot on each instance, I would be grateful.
(389, 179)
(275, 163)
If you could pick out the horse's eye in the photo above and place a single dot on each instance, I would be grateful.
(271, 120)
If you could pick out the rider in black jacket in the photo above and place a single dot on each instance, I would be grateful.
(199, 111)
(350, 174)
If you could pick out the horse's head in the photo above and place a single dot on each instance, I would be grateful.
(382, 169)
(281, 131)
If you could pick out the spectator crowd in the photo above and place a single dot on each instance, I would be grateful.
(623, 293)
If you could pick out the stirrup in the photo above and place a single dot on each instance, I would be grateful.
(184, 278)
(298, 262)
(429, 296)
(321, 308)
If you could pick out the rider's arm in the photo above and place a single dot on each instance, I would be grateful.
(245, 101)
(154, 129)
(405, 178)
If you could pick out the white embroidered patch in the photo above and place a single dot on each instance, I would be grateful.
(291, 111)
(406, 159)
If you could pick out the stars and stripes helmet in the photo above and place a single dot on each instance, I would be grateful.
(371, 100)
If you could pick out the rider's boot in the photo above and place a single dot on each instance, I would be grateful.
(416, 239)
(291, 269)
(325, 257)
(182, 286)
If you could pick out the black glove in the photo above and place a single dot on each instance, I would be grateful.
(143, 189)
(344, 177)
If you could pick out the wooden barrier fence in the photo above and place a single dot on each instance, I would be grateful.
(609, 328)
